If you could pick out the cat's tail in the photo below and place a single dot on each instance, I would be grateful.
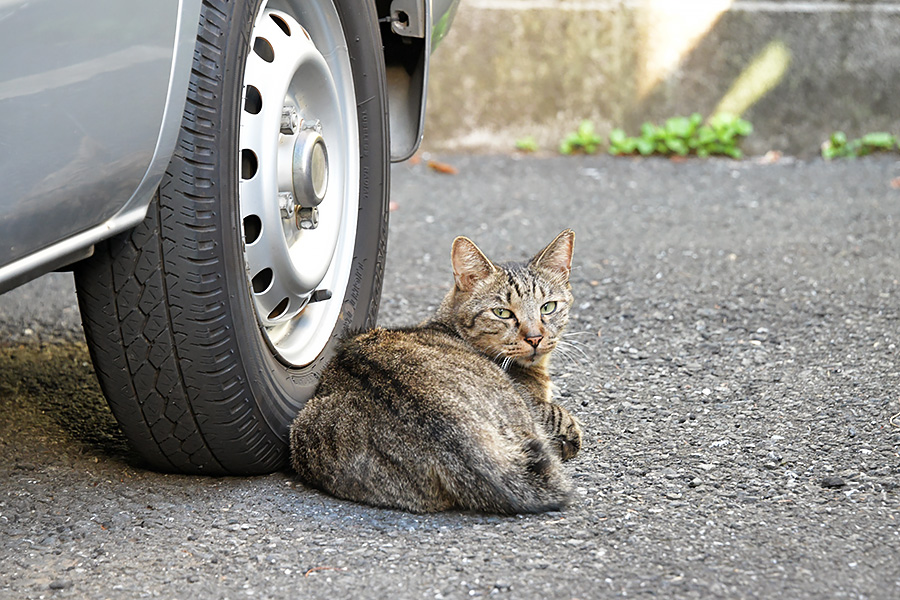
(528, 479)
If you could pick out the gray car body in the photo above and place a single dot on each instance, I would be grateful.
(91, 100)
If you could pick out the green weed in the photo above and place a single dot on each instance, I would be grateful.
(527, 144)
(838, 146)
(584, 139)
(685, 135)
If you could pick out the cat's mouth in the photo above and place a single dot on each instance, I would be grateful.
(529, 359)
(523, 354)
(531, 355)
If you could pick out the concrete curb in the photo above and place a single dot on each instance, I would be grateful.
(796, 70)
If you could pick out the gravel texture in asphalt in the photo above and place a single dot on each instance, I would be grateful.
(735, 364)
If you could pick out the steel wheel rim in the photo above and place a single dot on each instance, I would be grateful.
(291, 270)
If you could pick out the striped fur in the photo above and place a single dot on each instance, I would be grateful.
(454, 413)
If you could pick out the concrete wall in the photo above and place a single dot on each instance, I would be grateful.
(796, 70)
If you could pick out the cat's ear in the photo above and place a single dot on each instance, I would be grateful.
(557, 257)
(470, 265)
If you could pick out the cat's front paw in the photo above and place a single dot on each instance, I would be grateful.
(562, 429)
(571, 444)
(568, 437)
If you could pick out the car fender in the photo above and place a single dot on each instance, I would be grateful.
(134, 208)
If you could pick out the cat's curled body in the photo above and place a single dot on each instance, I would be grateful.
(454, 413)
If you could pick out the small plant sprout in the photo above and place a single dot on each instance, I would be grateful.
(838, 146)
(527, 144)
(584, 139)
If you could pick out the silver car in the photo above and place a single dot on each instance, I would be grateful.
(216, 173)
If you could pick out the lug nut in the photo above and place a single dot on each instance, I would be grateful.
(286, 204)
(308, 218)
(290, 120)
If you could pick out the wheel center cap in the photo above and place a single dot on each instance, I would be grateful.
(310, 168)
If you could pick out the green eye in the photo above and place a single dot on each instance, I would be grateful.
(548, 308)
(503, 313)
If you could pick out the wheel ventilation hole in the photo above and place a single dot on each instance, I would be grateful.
(280, 309)
(252, 228)
(252, 100)
(262, 280)
(264, 49)
(281, 24)
(249, 164)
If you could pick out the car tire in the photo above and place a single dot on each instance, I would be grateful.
(201, 375)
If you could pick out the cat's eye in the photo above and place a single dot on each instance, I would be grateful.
(503, 313)
(548, 308)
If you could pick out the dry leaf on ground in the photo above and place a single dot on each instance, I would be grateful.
(441, 167)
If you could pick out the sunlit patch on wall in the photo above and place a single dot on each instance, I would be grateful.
(761, 75)
(670, 31)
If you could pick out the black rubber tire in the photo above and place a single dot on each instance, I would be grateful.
(166, 307)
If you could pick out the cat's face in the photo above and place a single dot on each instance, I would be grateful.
(514, 312)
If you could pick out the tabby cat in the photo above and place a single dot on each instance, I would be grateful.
(455, 413)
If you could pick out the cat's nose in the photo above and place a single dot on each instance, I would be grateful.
(534, 340)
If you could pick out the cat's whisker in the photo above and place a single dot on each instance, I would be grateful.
(570, 338)
(565, 345)
(573, 336)
(577, 355)
(567, 358)
(502, 360)
(562, 349)
(576, 350)
(568, 347)
(566, 338)
(582, 349)
(500, 357)
(573, 357)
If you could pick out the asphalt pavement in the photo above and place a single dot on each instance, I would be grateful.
(738, 378)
